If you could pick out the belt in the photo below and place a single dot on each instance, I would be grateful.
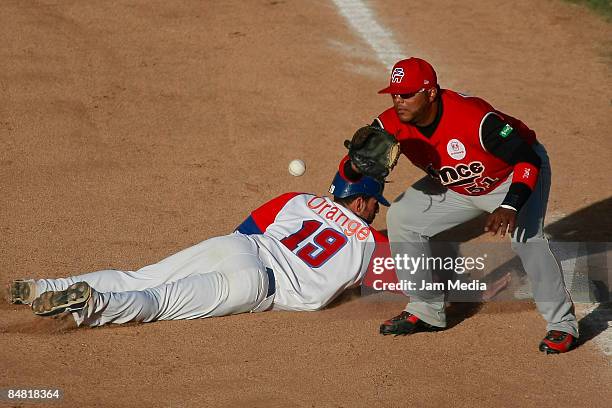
(271, 282)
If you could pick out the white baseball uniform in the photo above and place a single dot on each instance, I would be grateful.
(296, 252)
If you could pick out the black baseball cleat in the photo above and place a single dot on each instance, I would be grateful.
(72, 299)
(406, 323)
(557, 342)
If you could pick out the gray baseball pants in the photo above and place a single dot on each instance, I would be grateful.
(426, 209)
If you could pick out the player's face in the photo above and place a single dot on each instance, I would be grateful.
(370, 209)
(414, 109)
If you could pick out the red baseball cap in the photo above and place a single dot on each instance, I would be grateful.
(409, 76)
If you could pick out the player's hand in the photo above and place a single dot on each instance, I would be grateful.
(501, 220)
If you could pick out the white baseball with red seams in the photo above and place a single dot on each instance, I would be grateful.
(297, 167)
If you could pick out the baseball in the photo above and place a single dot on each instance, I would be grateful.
(297, 167)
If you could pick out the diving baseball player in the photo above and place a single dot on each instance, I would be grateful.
(478, 159)
(296, 252)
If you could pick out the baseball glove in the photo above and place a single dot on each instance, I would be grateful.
(374, 151)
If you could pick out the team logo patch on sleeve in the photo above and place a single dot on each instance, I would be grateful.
(455, 149)
(506, 131)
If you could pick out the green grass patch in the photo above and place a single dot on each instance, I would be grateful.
(603, 7)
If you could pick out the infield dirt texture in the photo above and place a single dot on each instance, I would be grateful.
(130, 130)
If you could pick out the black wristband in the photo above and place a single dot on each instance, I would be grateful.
(517, 196)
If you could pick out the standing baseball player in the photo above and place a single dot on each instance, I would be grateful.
(296, 252)
(477, 159)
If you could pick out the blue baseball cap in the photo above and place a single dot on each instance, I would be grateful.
(367, 186)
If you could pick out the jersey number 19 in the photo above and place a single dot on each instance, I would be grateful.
(318, 250)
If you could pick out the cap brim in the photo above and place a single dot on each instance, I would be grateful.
(382, 200)
(387, 90)
(397, 91)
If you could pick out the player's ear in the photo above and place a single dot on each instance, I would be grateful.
(354, 206)
(432, 93)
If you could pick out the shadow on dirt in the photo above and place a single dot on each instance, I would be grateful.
(27, 323)
(589, 229)
(595, 323)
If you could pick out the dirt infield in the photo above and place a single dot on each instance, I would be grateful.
(131, 130)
